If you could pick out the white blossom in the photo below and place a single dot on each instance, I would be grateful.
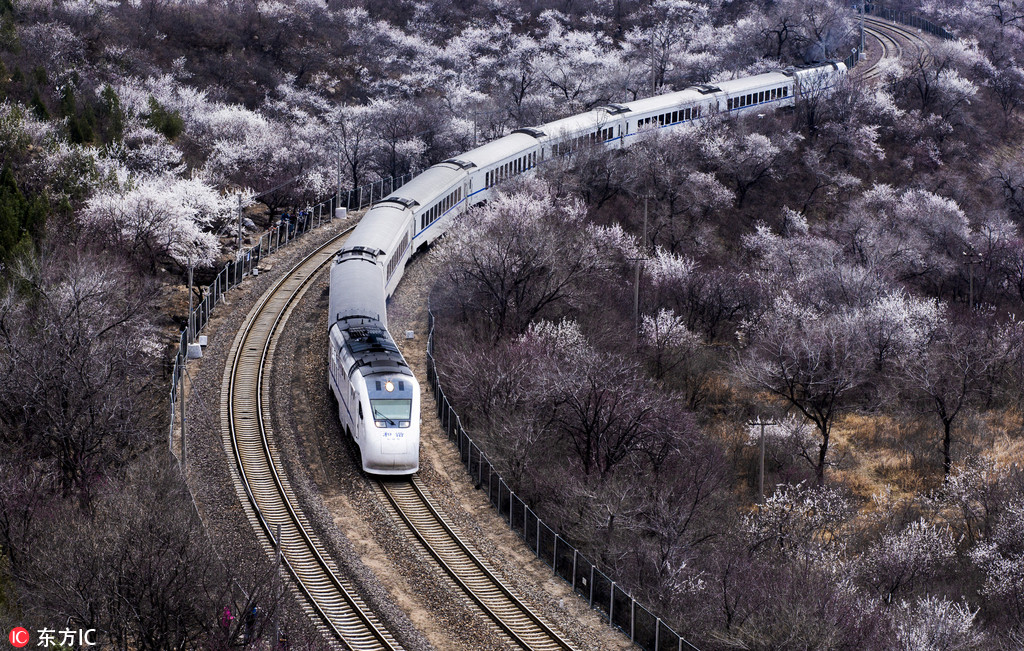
(937, 624)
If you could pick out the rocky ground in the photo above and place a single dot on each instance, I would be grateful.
(422, 609)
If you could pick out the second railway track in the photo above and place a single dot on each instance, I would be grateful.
(411, 504)
(260, 478)
(894, 41)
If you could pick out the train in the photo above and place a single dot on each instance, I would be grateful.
(377, 394)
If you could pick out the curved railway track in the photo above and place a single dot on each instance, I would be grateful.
(893, 39)
(261, 480)
(413, 506)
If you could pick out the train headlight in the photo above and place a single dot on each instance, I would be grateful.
(389, 386)
(379, 423)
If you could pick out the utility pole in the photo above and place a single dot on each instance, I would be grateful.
(972, 259)
(636, 282)
(239, 209)
(863, 8)
(337, 204)
(653, 84)
(760, 471)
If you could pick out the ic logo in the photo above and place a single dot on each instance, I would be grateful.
(18, 637)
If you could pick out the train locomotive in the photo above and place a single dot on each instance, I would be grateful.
(378, 396)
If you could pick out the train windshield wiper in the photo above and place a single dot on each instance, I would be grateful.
(379, 416)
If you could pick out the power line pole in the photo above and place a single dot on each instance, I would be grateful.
(337, 203)
(760, 471)
(653, 83)
(636, 283)
(239, 209)
(863, 9)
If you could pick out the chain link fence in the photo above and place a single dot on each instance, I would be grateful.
(905, 18)
(644, 628)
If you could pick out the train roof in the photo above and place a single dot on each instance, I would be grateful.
(427, 186)
(380, 226)
(735, 86)
(500, 149)
(373, 349)
(357, 287)
(581, 123)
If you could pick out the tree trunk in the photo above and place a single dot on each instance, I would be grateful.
(819, 470)
(947, 461)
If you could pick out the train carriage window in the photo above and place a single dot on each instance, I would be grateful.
(785, 91)
(760, 96)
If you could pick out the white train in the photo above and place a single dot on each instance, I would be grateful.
(378, 396)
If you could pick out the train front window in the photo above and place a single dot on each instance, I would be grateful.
(391, 413)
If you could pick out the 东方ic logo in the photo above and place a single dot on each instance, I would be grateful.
(18, 637)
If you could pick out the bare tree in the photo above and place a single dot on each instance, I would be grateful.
(74, 334)
(518, 257)
(953, 370)
(813, 362)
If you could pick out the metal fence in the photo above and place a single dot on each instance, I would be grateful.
(644, 628)
(233, 272)
(911, 20)
(852, 60)
(366, 194)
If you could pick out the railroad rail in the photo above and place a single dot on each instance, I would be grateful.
(411, 504)
(889, 38)
(261, 481)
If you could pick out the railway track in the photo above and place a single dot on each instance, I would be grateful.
(260, 479)
(410, 504)
(891, 39)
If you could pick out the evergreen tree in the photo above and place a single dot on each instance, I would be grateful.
(111, 114)
(38, 107)
(169, 123)
(22, 220)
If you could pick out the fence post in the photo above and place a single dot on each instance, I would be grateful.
(611, 602)
(575, 553)
(554, 557)
(170, 433)
(632, 619)
(590, 600)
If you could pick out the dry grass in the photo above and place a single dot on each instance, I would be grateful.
(879, 453)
